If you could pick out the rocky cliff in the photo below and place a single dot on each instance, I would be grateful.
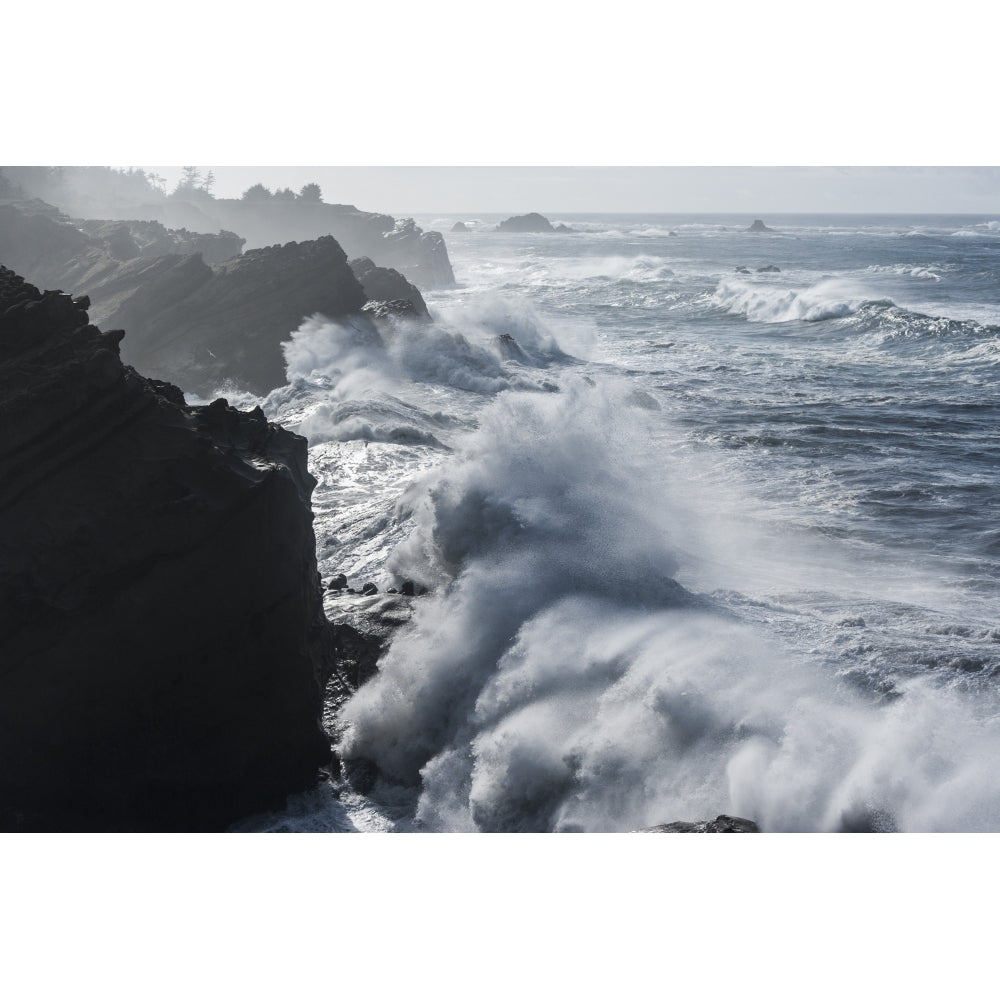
(385, 284)
(422, 257)
(189, 323)
(200, 326)
(162, 639)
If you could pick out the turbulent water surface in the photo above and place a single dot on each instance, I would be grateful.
(696, 539)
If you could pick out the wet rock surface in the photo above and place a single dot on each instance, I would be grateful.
(162, 638)
(721, 824)
(386, 285)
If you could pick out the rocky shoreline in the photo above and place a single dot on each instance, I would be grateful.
(194, 323)
(162, 638)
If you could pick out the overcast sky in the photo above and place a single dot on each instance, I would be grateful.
(554, 190)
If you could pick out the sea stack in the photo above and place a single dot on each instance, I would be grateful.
(759, 227)
(162, 640)
(530, 223)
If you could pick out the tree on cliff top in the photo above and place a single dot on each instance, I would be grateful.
(257, 193)
(311, 192)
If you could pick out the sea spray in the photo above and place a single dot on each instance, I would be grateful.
(558, 678)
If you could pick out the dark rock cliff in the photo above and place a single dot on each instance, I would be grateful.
(162, 638)
(189, 323)
(401, 244)
(385, 284)
(198, 325)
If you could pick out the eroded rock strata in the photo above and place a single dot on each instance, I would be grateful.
(189, 322)
(162, 638)
(385, 284)
(198, 325)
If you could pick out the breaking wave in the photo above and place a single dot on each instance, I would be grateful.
(558, 678)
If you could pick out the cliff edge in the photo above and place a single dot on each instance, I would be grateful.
(162, 639)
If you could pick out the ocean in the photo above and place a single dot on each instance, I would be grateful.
(707, 522)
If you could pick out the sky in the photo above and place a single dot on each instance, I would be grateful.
(551, 190)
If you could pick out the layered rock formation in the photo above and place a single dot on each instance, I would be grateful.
(199, 326)
(130, 238)
(385, 284)
(422, 257)
(189, 323)
(162, 639)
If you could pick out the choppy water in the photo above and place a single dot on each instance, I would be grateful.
(697, 540)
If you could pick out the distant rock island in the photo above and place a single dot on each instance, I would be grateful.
(530, 223)
(460, 227)
(163, 647)
(759, 227)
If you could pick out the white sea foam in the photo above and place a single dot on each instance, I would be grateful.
(764, 301)
(558, 679)
(930, 272)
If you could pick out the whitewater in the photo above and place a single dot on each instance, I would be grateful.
(701, 521)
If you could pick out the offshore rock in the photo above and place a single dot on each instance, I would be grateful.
(759, 227)
(721, 824)
(530, 223)
(385, 284)
(460, 227)
(162, 639)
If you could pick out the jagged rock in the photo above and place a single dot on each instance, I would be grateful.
(394, 309)
(339, 582)
(721, 824)
(384, 284)
(769, 269)
(37, 239)
(198, 325)
(530, 223)
(759, 227)
(369, 589)
(153, 239)
(406, 589)
(192, 324)
(361, 631)
(510, 349)
(92, 192)
(460, 227)
(743, 270)
(162, 639)
(401, 244)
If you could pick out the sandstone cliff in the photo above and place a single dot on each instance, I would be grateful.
(162, 639)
